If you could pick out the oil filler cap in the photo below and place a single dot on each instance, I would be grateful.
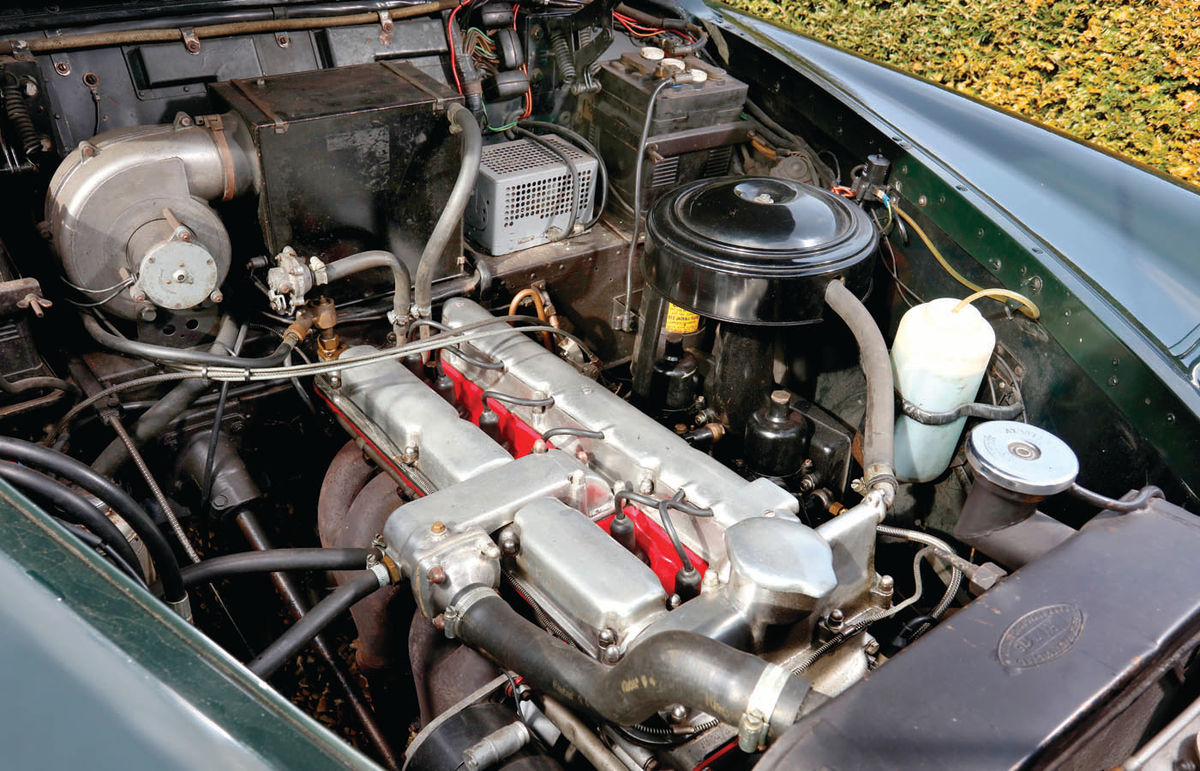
(1021, 458)
(756, 250)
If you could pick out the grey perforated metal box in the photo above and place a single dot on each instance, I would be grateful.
(524, 194)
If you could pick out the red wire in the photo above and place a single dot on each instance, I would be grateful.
(450, 41)
(706, 764)
(641, 30)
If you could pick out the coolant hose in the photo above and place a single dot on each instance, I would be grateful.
(673, 667)
(463, 122)
(165, 355)
(76, 508)
(121, 502)
(879, 425)
(304, 630)
(378, 258)
(164, 412)
(272, 561)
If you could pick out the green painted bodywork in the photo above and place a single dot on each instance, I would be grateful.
(1128, 320)
(98, 673)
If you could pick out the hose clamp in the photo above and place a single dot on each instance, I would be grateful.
(454, 612)
(318, 268)
(382, 573)
(756, 720)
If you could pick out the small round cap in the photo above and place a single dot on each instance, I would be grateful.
(653, 54)
(698, 75)
(1021, 458)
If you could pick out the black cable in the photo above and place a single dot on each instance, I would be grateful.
(1143, 497)
(572, 169)
(95, 542)
(303, 631)
(74, 506)
(569, 431)
(121, 502)
(210, 459)
(577, 138)
(273, 561)
(439, 326)
(675, 502)
(520, 401)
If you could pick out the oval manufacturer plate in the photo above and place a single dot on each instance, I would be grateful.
(1040, 636)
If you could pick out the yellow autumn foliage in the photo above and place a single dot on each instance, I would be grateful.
(1124, 74)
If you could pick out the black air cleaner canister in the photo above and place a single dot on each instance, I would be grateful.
(754, 253)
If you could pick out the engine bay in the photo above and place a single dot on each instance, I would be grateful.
(527, 386)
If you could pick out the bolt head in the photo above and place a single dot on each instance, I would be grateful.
(678, 713)
(886, 583)
(646, 486)
(437, 575)
(607, 637)
(611, 654)
(216, 296)
(439, 622)
(438, 527)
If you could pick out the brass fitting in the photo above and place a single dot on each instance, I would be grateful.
(298, 329)
(329, 344)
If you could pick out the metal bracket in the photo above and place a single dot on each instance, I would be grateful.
(283, 39)
(247, 90)
(216, 125)
(190, 41)
(386, 28)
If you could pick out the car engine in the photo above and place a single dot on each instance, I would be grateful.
(579, 408)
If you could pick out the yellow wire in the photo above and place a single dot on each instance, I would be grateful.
(1029, 309)
(1027, 305)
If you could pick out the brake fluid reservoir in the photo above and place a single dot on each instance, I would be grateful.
(939, 358)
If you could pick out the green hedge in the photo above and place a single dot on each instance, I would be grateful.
(1122, 74)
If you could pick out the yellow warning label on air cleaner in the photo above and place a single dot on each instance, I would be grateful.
(681, 322)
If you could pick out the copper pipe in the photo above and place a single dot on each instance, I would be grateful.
(128, 37)
(538, 305)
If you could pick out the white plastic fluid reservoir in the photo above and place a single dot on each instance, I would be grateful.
(939, 358)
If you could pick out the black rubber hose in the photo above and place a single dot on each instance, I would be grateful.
(75, 507)
(92, 540)
(173, 404)
(272, 561)
(303, 631)
(674, 667)
(880, 422)
(36, 382)
(452, 213)
(134, 515)
(1139, 501)
(165, 355)
(577, 138)
(378, 258)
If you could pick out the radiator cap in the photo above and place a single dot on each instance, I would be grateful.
(756, 250)
(1021, 458)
